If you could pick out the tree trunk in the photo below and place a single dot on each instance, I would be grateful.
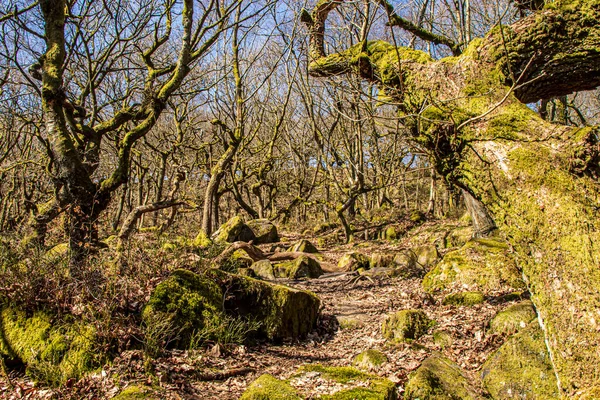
(538, 181)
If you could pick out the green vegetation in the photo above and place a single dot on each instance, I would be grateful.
(513, 318)
(370, 359)
(464, 299)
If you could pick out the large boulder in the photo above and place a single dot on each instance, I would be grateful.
(406, 325)
(233, 230)
(370, 359)
(303, 246)
(53, 351)
(189, 301)
(427, 256)
(301, 267)
(267, 387)
(282, 312)
(485, 265)
(264, 231)
(513, 318)
(521, 368)
(438, 378)
(353, 261)
(263, 269)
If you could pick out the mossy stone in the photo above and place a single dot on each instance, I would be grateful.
(391, 233)
(443, 339)
(417, 217)
(521, 368)
(484, 265)
(464, 299)
(301, 267)
(190, 300)
(263, 269)
(405, 262)
(353, 261)
(267, 387)
(282, 312)
(406, 325)
(513, 318)
(233, 230)
(303, 246)
(52, 351)
(438, 378)
(264, 231)
(362, 385)
(459, 237)
(202, 240)
(427, 256)
(135, 392)
(370, 359)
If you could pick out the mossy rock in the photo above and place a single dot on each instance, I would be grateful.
(190, 301)
(484, 265)
(58, 253)
(301, 267)
(390, 233)
(370, 359)
(303, 246)
(427, 256)
(202, 240)
(417, 217)
(264, 231)
(136, 392)
(521, 368)
(354, 383)
(53, 351)
(406, 325)
(263, 269)
(249, 272)
(464, 299)
(405, 262)
(443, 339)
(513, 318)
(353, 261)
(233, 230)
(324, 227)
(459, 237)
(282, 312)
(438, 378)
(267, 387)
(238, 259)
(380, 260)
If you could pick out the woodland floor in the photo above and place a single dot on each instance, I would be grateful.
(360, 305)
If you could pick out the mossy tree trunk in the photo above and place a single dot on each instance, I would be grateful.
(538, 182)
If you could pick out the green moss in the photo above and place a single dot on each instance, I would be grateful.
(464, 299)
(438, 378)
(282, 312)
(427, 256)
(233, 230)
(349, 323)
(406, 325)
(264, 231)
(267, 387)
(459, 237)
(391, 234)
(353, 261)
(134, 392)
(189, 301)
(53, 352)
(301, 267)
(521, 368)
(513, 318)
(417, 216)
(369, 359)
(482, 265)
(376, 388)
(202, 240)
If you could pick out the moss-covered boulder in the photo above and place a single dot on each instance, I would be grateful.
(52, 350)
(370, 359)
(405, 262)
(521, 368)
(513, 318)
(442, 338)
(484, 265)
(391, 233)
(188, 300)
(427, 256)
(348, 383)
(136, 392)
(267, 387)
(264, 231)
(202, 240)
(282, 312)
(233, 230)
(353, 261)
(406, 325)
(459, 237)
(464, 299)
(438, 378)
(263, 269)
(303, 246)
(417, 217)
(301, 267)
